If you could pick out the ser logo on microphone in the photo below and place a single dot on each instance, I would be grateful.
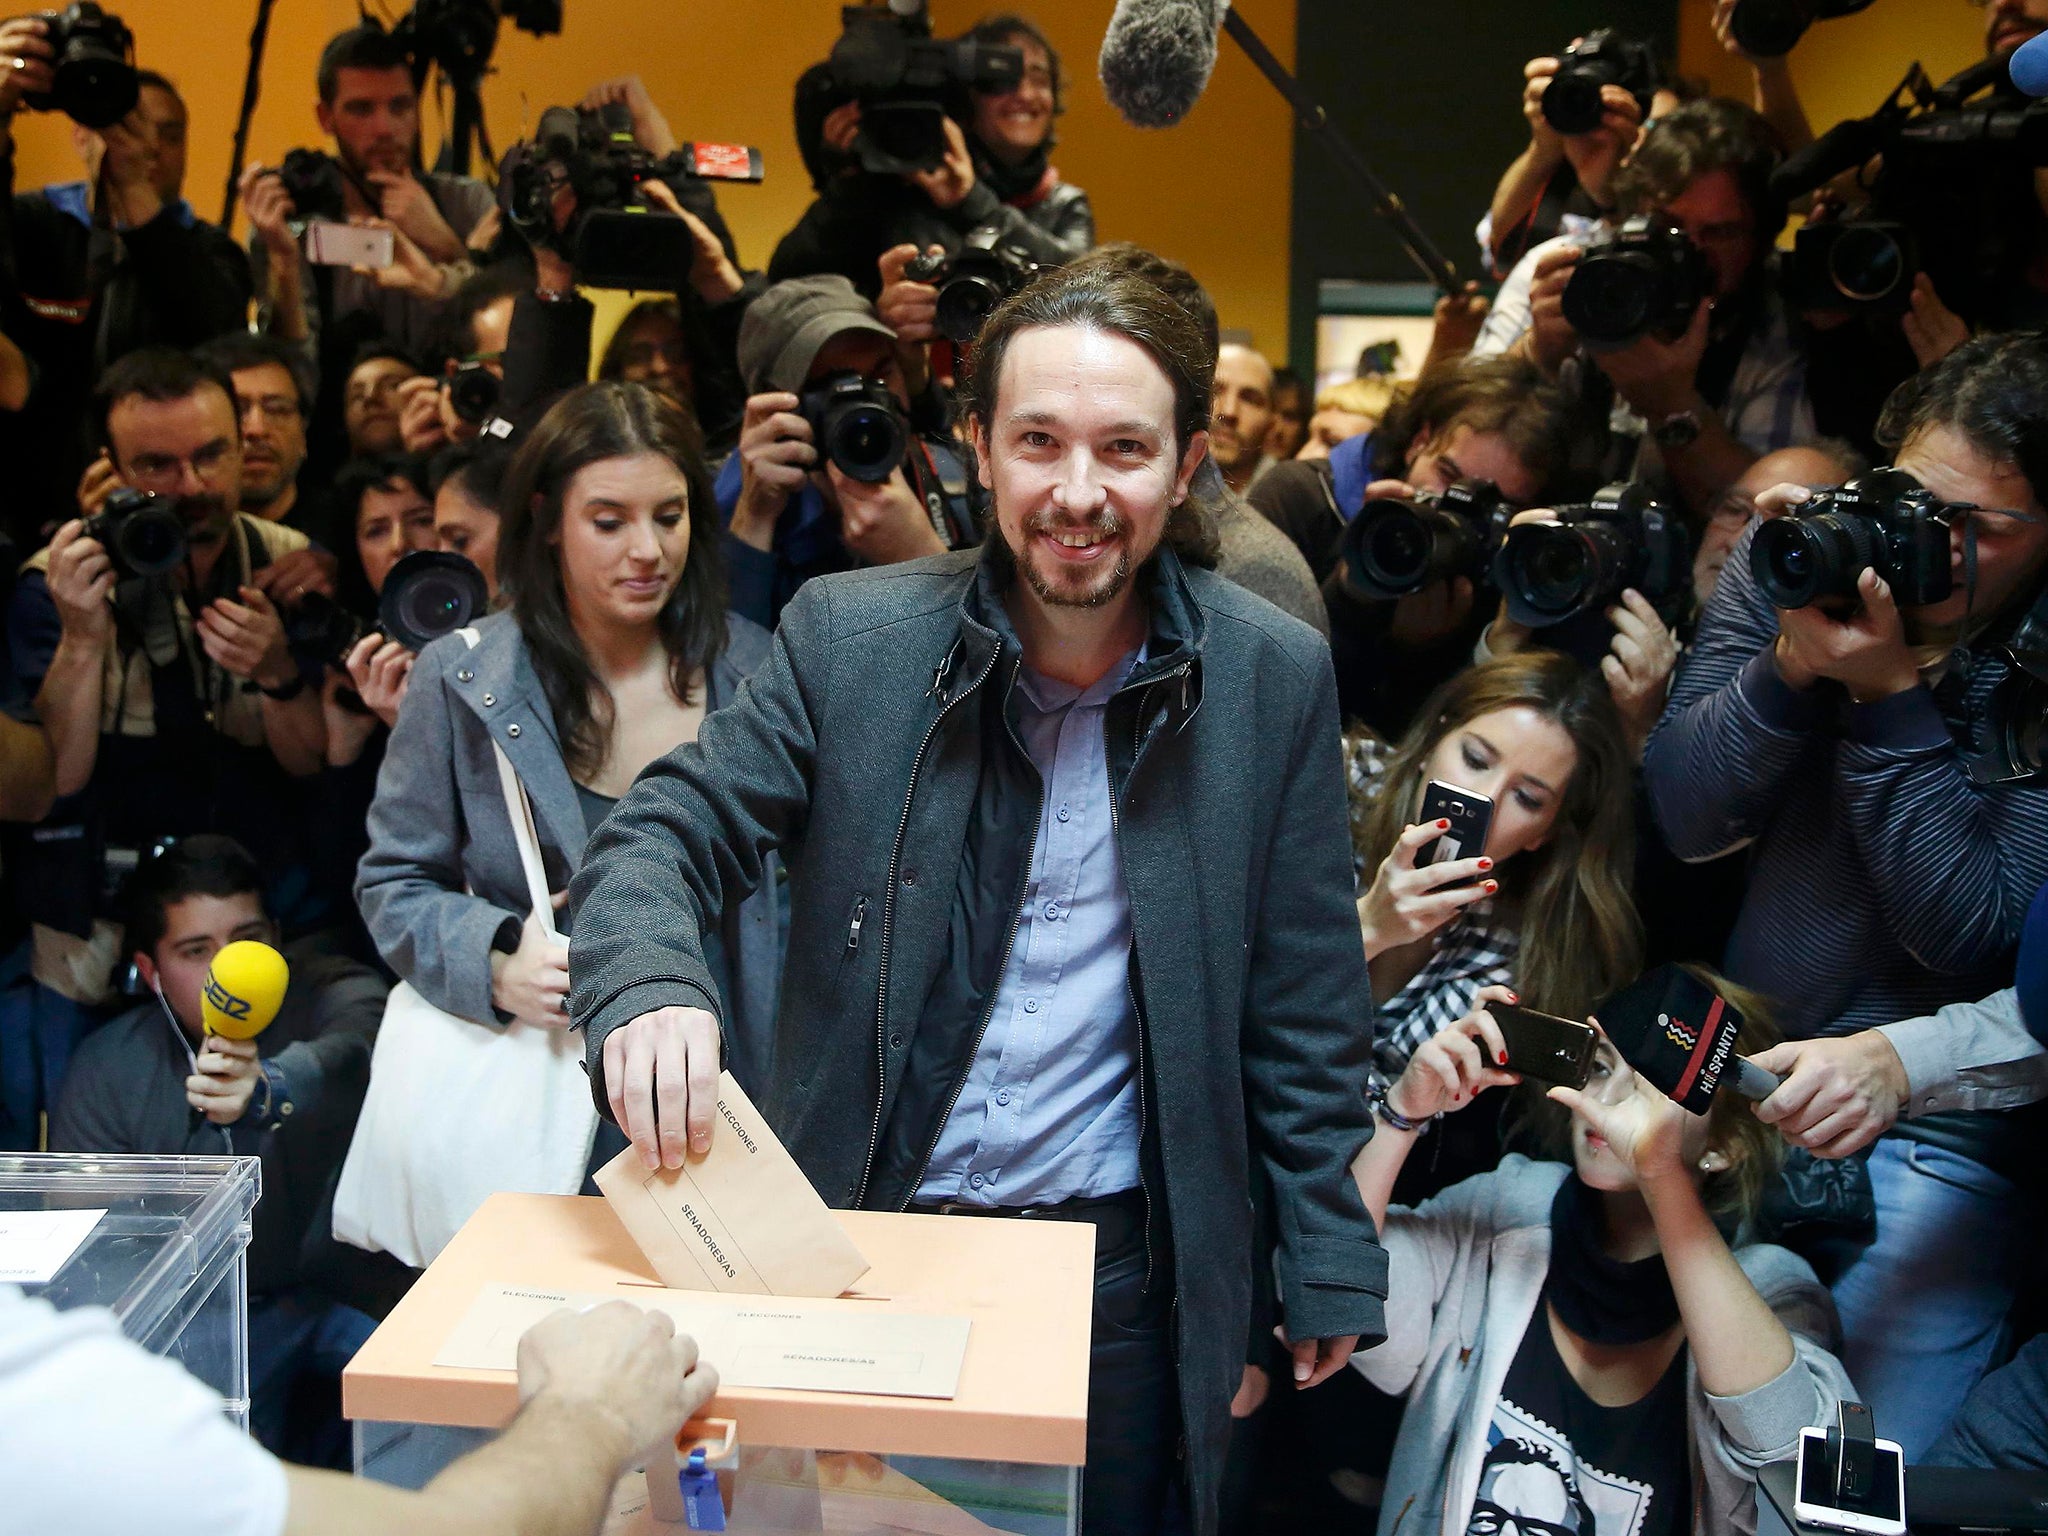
(232, 1007)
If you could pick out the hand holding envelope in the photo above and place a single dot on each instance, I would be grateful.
(661, 1075)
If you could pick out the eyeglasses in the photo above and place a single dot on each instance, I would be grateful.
(149, 471)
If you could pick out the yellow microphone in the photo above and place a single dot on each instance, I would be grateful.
(244, 989)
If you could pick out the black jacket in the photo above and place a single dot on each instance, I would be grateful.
(125, 1092)
(863, 751)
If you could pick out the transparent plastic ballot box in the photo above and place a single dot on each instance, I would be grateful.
(1004, 1453)
(168, 1259)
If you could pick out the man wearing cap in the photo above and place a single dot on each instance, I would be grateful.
(791, 513)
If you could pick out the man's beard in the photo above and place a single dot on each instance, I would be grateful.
(1096, 588)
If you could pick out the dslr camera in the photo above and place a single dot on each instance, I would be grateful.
(473, 391)
(428, 593)
(1396, 545)
(92, 54)
(904, 79)
(1768, 29)
(142, 533)
(313, 181)
(1571, 102)
(611, 234)
(857, 424)
(1644, 279)
(1887, 522)
(973, 280)
(1551, 572)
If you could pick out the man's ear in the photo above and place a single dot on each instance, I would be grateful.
(1190, 461)
(324, 115)
(978, 435)
(1419, 445)
(145, 968)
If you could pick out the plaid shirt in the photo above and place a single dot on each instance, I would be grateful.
(1475, 949)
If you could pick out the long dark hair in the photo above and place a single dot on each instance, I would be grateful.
(608, 420)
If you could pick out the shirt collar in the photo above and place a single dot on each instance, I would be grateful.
(74, 198)
(1047, 694)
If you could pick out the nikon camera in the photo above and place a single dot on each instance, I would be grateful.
(1397, 545)
(1887, 522)
(1646, 278)
(973, 280)
(1549, 573)
(1571, 102)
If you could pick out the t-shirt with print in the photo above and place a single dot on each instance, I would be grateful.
(1559, 1464)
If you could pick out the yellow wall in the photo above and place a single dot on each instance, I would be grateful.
(1212, 193)
(1845, 68)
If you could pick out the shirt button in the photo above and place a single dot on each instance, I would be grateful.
(1052, 911)
(975, 1180)
(1063, 814)
(895, 1042)
(490, 699)
(512, 729)
(1031, 1005)
(1002, 1095)
(464, 675)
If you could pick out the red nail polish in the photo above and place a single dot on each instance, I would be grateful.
(1492, 886)
(1514, 997)
(1486, 863)
(1443, 826)
(1502, 1058)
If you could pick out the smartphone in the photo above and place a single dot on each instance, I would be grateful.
(1545, 1047)
(329, 244)
(1470, 815)
(1816, 1496)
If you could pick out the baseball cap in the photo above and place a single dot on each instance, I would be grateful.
(786, 326)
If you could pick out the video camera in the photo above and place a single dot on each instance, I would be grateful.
(1571, 102)
(904, 79)
(1953, 195)
(1886, 521)
(607, 229)
(92, 54)
(1645, 278)
(459, 36)
(973, 280)
(428, 593)
(1397, 545)
(142, 533)
(1549, 573)
(857, 424)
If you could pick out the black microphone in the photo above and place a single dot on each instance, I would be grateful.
(1679, 1034)
(1156, 57)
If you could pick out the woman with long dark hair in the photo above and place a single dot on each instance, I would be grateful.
(613, 645)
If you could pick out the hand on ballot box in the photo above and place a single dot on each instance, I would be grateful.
(661, 1075)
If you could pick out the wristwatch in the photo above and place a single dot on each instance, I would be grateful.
(289, 691)
(1681, 429)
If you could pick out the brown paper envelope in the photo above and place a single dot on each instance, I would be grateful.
(740, 1218)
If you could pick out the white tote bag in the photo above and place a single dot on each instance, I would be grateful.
(457, 1111)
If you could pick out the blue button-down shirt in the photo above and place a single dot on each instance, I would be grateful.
(1049, 1111)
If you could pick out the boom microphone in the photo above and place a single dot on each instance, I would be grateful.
(1679, 1033)
(244, 989)
(2029, 66)
(1156, 57)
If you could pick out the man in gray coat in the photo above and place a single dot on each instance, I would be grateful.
(1071, 928)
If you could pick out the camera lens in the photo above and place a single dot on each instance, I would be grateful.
(1867, 264)
(866, 441)
(1797, 560)
(1613, 297)
(964, 303)
(1394, 548)
(320, 629)
(473, 392)
(1768, 29)
(151, 540)
(93, 83)
(1550, 571)
(1571, 102)
(430, 593)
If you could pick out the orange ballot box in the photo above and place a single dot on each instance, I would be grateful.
(885, 1432)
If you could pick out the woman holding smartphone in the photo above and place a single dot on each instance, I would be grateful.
(1580, 1348)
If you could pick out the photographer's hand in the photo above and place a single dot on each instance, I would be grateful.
(1865, 650)
(126, 171)
(1546, 143)
(1638, 666)
(650, 129)
(380, 670)
(1655, 376)
(883, 523)
(291, 575)
(776, 458)
(246, 639)
(841, 127)
(1933, 330)
(1550, 338)
(99, 481)
(420, 426)
(661, 1076)
(911, 310)
(405, 201)
(348, 728)
(712, 272)
(948, 184)
(269, 210)
(1595, 155)
(26, 38)
(81, 580)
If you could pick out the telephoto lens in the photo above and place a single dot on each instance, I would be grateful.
(430, 593)
(1550, 572)
(1886, 521)
(1396, 546)
(142, 533)
(93, 80)
(857, 424)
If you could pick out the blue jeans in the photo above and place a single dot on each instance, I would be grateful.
(293, 1335)
(1924, 1305)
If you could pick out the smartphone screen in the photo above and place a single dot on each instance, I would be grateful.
(1470, 815)
(1814, 1492)
(1545, 1047)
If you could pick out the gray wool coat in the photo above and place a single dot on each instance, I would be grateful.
(442, 874)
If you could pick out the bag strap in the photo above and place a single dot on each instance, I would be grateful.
(524, 832)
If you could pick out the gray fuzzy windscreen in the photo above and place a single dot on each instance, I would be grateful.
(1156, 58)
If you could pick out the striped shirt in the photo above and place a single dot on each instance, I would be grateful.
(1883, 884)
